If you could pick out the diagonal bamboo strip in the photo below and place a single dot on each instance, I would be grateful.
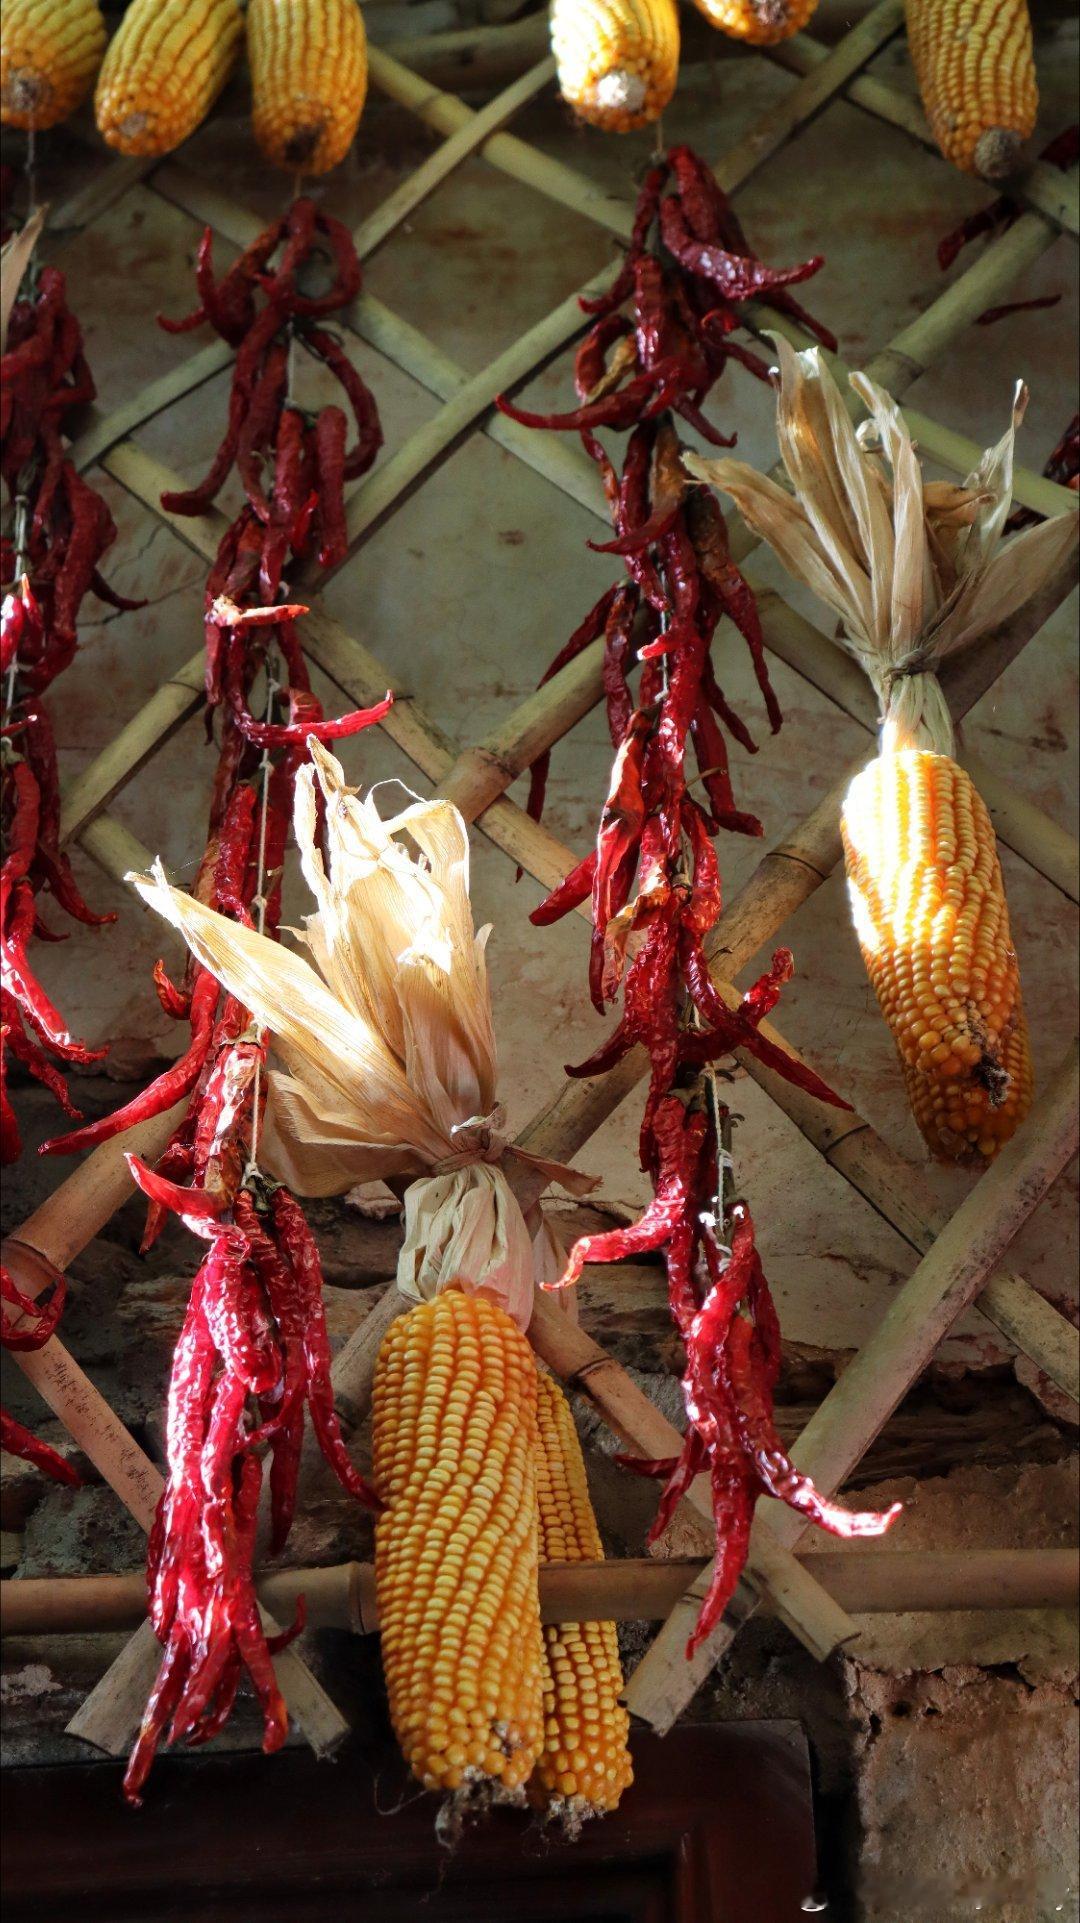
(622, 1589)
(461, 146)
(840, 1431)
(1043, 187)
(104, 430)
(918, 346)
(822, 81)
(394, 480)
(173, 703)
(448, 115)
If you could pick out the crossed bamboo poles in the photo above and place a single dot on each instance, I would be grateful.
(476, 780)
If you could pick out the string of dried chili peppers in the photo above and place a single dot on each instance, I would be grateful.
(60, 528)
(254, 1351)
(659, 342)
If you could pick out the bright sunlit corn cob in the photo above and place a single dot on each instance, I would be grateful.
(165, 67)
(456, 1561)
(585, 1764)
(761, 22)
(932, 921)
(617, 59)
(976, 71)
(308, 61)
(50, 51)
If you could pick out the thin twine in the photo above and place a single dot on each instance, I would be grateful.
(22, 502)
(252, 1170)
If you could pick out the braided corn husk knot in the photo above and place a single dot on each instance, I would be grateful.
(917, 570)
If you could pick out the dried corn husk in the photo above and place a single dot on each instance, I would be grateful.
(386, 1044)
(915, 569)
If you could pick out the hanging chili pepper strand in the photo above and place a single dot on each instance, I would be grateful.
(60, 528)
(254, 1353)
(653, 876)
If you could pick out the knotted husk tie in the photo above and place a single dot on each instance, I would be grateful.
(385, 1060)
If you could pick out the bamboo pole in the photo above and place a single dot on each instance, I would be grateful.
(461, 146)
(171, 704)
(624, 1589)
(918, 346)
(448, 115)
(855, 1409)
(820, 84)
(1045, 188)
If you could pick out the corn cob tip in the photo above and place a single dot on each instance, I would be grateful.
(998, 153)
(620, 92)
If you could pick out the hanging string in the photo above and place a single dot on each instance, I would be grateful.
(252, 1172)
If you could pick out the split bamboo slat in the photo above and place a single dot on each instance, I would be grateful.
(631, 1589)
(477, 779)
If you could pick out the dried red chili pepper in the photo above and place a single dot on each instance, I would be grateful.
(61, 527)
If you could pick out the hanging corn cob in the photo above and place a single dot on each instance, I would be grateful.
(916, 570)
(584, 1765)
(49, 54)
(617, 60)
(390, 1071)
(308, 61)
(760, 22)
(165, 66)
(456, 1558)
(975, 65)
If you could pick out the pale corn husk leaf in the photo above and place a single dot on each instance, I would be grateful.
(387, 1044)
(15, 258)
(915, 571)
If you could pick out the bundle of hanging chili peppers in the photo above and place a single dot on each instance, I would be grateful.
(660, 340)
(60, 528)
(254, 1350)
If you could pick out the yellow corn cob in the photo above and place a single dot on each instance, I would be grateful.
(456, 1557)
(932, 921)
(165, 67)
(308, 61)
(585, 1764)
(49, 54)
(617, 60)
(761, 22)
(976, 71)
